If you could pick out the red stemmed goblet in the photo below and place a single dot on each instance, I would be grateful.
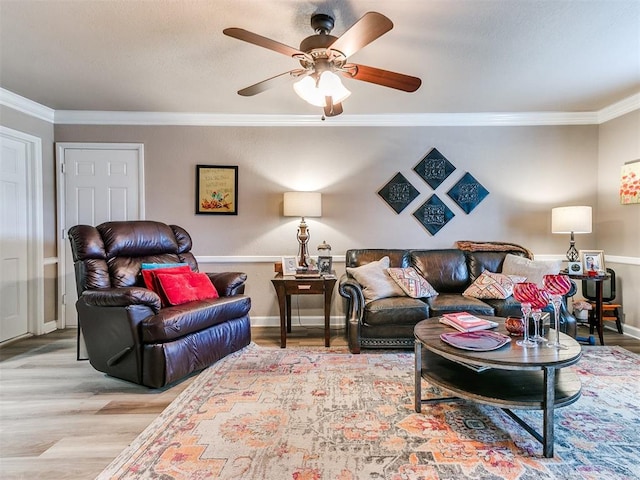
(556, 286)
(538, 299)
(520, 293)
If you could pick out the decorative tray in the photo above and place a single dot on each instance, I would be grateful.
(479, 341)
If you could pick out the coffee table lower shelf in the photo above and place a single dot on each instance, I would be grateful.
(541, 388)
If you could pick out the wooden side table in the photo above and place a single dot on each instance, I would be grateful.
(289, 285)
(598, 315)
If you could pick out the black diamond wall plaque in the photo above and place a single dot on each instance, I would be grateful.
(434, 168)
(398, 193)
(433, 214)
(467, 193)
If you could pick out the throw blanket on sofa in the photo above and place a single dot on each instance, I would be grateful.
(471, 246)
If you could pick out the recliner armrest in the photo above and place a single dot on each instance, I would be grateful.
(228, 283)
(122, 297)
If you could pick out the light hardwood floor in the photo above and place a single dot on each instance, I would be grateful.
(61, 419)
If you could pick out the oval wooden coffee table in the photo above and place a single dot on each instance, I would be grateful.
(510, 377)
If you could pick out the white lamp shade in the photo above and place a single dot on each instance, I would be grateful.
(302, 204)
(571, 219)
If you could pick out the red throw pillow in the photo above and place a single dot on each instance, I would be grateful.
(151, 281)
(148, 274)
(186, 287)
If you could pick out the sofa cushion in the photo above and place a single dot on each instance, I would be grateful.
(186, 287)
(375, 280)
(533, 270)
(492, 285)
(456, 302)
(479, 261)
(396, 311)
(362, 256)
(411, 282)
(180, 320)
(446, 270)
(509, 307)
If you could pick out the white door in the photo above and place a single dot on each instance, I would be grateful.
(13, 239)
(100, 183)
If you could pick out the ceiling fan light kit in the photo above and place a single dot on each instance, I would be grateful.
(323, 57)
(316, 92)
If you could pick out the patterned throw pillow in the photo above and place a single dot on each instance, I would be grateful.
(375, 281)
(492, 285)
(412, 283)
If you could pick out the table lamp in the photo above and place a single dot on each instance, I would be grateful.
(571, 220)
(302, 204)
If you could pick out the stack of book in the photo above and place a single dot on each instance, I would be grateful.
(305, 273)
(465, 322)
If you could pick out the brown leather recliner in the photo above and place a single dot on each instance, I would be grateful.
(128, 334)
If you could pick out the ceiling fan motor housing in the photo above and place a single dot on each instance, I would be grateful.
(316, 45)
(322, 23)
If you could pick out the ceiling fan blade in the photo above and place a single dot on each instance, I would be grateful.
(385, 78)
(370, 26)
(261, 41)
(269, 83)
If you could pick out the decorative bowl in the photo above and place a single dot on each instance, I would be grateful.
(514, 325)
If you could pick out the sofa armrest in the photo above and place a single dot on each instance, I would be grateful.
(228, 283)
(122, 297)
(352, 291)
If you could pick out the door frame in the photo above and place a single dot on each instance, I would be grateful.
(61, 148)
(35, 228)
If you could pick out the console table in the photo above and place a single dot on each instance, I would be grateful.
(287, 285)
(511, 377)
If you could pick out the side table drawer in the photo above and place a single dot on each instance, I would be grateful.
(301, 287)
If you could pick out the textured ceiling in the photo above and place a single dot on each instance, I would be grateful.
(171, 56)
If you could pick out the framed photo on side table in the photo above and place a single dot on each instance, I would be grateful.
(592, 260)
(575, 268)
(289, 265)
(325, 264)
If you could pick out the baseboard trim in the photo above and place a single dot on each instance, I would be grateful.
(629, 330)
(306, 321)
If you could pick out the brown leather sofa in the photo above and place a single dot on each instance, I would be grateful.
(389, 322)
(127, 332)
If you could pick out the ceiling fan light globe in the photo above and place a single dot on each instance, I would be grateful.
(331, 86)
(307, 90)
(315, 93)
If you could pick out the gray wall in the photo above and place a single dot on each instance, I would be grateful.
(44, 130)
(527, 170)
(618, 226)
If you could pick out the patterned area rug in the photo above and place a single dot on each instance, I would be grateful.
(324, 414)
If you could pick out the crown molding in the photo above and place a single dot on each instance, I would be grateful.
(620, 108)
(86, 117)
(74, 117)
(24, 105)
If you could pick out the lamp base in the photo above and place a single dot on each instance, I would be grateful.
(303, 241)
(572, 253)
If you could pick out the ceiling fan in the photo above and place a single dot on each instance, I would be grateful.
(322, 56)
